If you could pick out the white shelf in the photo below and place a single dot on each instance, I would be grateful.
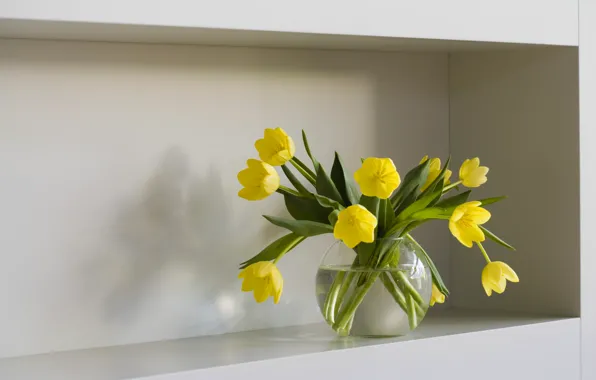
(308, 23)
(311, 346)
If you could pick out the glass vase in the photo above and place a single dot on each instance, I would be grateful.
(389, 296)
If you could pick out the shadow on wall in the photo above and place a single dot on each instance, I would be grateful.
(181, 229)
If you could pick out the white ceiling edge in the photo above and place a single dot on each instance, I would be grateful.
(81, 31)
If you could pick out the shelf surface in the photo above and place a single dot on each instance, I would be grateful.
(294, 23)
(195, 354)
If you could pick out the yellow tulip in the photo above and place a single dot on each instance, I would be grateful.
(434, 169)
(264, 280)
(355, 224)
(436, 296)
(377, 177)
(471, 174)
(259, 180)
(464, 222)
(276, 148)
(495, 275)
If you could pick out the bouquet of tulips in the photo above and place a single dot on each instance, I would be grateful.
(367, 211)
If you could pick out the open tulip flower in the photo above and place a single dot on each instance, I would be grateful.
(377, 177)
(368, 211)
(465, 220)
(355, 225)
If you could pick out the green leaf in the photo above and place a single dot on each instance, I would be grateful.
(295, 181)
(412, 226)
(455, 200)
(365, 252)
(415, 178)
(315, 163)
(386, 216)
(344, 182)
(496, 239)
(406, 201)
(371, 204)
(279, 247)
(425, 258)
(430, 213)
(333, 215)
(396, 229)
(328, 202)
(488, 201)
(302, 208)
(326, 187)
(301, 227)
(420, 204)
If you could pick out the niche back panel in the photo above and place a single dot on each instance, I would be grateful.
(120, 221)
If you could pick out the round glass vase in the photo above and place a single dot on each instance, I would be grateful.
(388, 298)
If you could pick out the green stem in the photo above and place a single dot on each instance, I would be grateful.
(400, 298)
(395, 292)
(332, 295)
(346, 331)
(451, 186)
(412, 318)
(420, 311)
(488, 261)
(304, 170)
(345, 286)
(286, 190)
(401, 278)
(348, 312)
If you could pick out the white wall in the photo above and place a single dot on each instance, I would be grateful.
(518, 111)
(527, 21)
(120, 221)
(587, 76)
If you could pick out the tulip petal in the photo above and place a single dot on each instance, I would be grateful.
(478, 214)
(277, 282)
(366, 232)
(508, 272)
(354, 225)
(276, 148)
(457, 214)
(488, 290)
(249, 284)
(467, 166)
(249, 178)
(457, 233)
(473, 233)
(377, 177)
(263, 269)
(276, 278)
(261, 292)
(447, 177)
(436, 296)
(494, 273)
(246, 272)
(252, 194)
(491, 274)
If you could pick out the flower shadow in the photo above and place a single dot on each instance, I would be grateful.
(174, 247)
